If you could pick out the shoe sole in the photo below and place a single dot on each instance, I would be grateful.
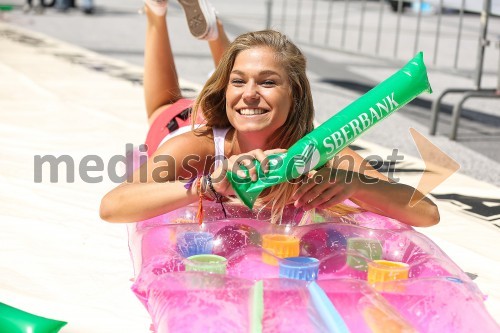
(197, 22)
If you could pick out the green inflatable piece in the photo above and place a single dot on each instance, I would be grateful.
(13, 320)
(322, 144)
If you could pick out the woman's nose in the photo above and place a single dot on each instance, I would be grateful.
(250, 92)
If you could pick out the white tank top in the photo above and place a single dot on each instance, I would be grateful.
(219, 138)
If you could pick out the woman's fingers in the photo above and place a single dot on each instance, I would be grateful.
(338, 198)
(265, 162)
(247, 160)
(318, 195)
(258, 155)
(332, 196)
(220, 182)
(275, 151)
(243, 165)
(241, 162)
(324, 188)
(235, 164)
(313, 186)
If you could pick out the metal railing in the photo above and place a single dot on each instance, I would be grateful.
(370, 28)
(478, 92)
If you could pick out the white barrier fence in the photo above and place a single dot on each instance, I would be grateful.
(395, 30)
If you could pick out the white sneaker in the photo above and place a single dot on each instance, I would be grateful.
(158, 7)
(201, 18)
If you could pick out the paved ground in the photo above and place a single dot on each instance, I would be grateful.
(117, 30)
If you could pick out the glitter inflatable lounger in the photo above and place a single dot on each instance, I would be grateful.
(317, 272)
(360, 272)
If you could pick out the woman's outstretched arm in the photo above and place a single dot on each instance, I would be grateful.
(139, 201)
(349, 177)
(158, 186)
(399, 201)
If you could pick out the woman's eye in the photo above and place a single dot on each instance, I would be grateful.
(269, 83)
(237, 82)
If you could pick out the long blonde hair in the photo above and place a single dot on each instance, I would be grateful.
(212, 103)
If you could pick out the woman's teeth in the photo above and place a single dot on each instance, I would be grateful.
(252, 112)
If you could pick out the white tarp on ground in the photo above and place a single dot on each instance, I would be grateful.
(58, 259)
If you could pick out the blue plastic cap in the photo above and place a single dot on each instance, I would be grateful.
(193, 243)
(299, 268)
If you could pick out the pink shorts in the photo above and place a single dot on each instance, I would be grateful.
(172, 118)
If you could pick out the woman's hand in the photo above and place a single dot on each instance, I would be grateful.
(325, 188)
(235, 163)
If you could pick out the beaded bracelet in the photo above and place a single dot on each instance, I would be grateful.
(218, 197)
(189, 183)
(201, 190)
(207, 191)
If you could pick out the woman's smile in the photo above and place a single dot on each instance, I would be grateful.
(252, 112)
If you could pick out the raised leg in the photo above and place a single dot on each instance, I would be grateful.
(219, 45)
(161, 84)
(203, 24)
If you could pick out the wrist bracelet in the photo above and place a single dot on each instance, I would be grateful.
(218, 197)
(202, 183)
(189, 183)
(207, 190)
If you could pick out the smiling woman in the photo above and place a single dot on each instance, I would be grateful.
(257, 102)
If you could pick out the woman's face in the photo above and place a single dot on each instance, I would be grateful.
(258, 95)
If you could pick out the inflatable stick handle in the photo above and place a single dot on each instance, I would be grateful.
(327, 311)
(257, 309)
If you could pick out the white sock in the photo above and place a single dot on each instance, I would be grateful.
(158, 7)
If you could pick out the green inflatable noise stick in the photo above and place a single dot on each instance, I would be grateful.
(13, 320)
(323, 143)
